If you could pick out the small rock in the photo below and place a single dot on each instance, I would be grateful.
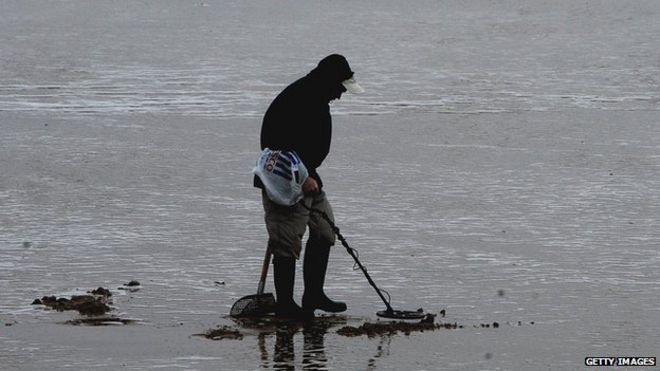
(101, 292)
(89, 307)
(133, 283)
(48, 299)
(448, 326)
(37, 302)
(429, 318)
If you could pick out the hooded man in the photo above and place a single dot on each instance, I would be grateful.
(299, 120)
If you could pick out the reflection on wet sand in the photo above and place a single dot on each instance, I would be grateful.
(313, 356)
(284, 352)
(383, 349)
(284, 332)
(314, 350)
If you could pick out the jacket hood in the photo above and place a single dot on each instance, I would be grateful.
(332, 70)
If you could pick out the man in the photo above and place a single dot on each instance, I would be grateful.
(299, 120)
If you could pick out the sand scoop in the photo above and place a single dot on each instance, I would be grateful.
(258, 304)
(388, 312)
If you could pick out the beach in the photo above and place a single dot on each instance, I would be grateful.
(502, 167)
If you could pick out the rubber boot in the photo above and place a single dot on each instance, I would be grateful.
(284, 272)
(315, 266)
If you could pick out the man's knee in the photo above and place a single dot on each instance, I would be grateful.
(321, 235)
(285, 248)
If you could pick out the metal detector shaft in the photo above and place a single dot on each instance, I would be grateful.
(362, 268)
(351, 252)
(389, 313)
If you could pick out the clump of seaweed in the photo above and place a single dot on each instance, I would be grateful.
(391, 328)
(95, 304)
(222, 333)
(93, 307)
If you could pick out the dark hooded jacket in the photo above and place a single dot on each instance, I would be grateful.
(299, 118)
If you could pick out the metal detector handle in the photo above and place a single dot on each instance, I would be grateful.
(264, 272)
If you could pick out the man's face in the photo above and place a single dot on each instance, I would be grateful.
(337, 92)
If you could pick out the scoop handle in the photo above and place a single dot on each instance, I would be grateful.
(264, 272)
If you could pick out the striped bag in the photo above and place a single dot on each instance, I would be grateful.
(283, 174)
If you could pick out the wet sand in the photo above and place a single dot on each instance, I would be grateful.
(508, 218)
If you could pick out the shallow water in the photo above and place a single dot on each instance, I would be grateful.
(230, 58)
(503, 165)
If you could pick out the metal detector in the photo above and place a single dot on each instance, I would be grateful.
(389, 312)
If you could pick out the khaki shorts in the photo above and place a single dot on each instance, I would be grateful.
(286, 225)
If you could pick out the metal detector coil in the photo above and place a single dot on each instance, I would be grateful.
(401, 314)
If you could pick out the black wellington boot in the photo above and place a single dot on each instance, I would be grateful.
(315, 266)
(284, 272)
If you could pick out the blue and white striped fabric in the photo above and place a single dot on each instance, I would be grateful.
(283, 174)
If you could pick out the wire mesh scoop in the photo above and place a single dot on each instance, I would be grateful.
(388, 312)
(259, 304)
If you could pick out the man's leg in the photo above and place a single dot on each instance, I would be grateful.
(284, 274)
(286, 227)
(317, 253)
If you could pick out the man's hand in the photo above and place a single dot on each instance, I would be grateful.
(310, 186)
